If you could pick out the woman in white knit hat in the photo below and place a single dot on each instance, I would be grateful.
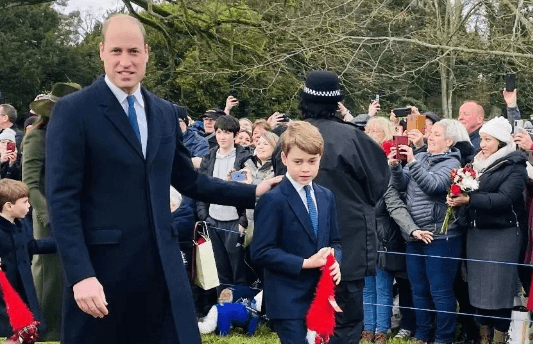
(496, 219)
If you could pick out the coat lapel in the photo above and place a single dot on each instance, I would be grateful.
(116, 115)
(153, 114)
(321, 200)
(297, 206)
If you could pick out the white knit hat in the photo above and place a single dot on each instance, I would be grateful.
(8, 134)
(499, 128)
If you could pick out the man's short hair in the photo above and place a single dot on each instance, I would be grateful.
(124, 16)
(304, 136)
(228, 123)
(10, 111)
(478, 103)
(11, 191)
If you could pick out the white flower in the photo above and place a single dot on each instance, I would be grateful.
(469, 184)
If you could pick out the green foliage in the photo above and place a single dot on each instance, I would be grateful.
(37, 51)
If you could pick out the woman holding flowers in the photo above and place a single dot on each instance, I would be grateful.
(426, 179)
(497, 223)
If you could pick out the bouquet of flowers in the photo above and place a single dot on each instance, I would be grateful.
(464, 181)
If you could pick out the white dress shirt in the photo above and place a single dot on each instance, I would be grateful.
(138, 104)
(301, 192)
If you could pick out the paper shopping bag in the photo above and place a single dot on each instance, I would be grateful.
(205, 274)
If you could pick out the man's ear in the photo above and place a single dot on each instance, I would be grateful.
(101, 46)
(283, 158)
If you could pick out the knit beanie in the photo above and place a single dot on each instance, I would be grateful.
(499, 128)
(8, 134)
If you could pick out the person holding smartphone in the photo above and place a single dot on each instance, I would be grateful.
(226, 223)
(9, 157)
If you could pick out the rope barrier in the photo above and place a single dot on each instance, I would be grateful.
(445, 312)
(412, 254)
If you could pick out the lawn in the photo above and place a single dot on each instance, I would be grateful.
(262, 336)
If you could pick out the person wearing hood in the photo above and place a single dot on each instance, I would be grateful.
(195, 144)
(496, 219)
(426, 179)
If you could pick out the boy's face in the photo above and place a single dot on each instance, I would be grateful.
(301, 166)
(225, 139)
(20, 208)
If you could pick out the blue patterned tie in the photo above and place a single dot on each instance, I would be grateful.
(312, 209)
(132, 116)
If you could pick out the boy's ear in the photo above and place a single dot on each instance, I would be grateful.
(283, 158)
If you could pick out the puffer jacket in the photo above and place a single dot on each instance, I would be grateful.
(426, 182)
(196, 144)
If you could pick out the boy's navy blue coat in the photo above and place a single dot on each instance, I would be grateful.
(283, 238)
(16, 250)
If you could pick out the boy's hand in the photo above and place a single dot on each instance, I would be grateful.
(317, 260)
(335, 272)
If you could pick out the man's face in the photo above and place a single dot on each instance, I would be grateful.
(301, 166)
(4, 119)
(225, 139)
(470, 116)
(209, 125)
(124, 54)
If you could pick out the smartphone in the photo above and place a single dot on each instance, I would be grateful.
(286, 118)
(402, 112)
(399, 141)
(510, 80)
(233, 93)
(238, 176)
(11, 146)
(517, 125)
(416, 122)
(375, 99)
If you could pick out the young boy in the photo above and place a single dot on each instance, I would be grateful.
(226, 222)
(16, 249)
(295, 230)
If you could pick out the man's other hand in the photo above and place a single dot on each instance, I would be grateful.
(266, 185)
(90, 297)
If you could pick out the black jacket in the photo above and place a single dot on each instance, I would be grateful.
(242, 154)
(499, 202)
(389, 240)
(16, 250)
(355, 169)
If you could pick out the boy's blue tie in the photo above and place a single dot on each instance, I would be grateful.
(312, 209)
(132, 116)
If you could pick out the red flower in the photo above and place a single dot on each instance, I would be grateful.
(386, 146)
(455, 190)
(453, 173)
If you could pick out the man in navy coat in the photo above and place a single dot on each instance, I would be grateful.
(113, 150)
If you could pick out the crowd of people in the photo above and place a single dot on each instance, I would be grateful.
(376, 205)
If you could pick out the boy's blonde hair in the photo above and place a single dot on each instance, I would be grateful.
(11, 191)
(304, 136)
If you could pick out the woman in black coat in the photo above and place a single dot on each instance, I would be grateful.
(496, 219)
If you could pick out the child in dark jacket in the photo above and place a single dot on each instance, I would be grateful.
(296, 229)
(16, 250)
(226, 224)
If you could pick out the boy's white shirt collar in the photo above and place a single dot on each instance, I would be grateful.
(121, 95)
(301, 192)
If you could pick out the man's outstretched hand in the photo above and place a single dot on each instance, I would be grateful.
(90, 297)
(266, 185)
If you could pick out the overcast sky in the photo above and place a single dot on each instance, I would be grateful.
(97, 7)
